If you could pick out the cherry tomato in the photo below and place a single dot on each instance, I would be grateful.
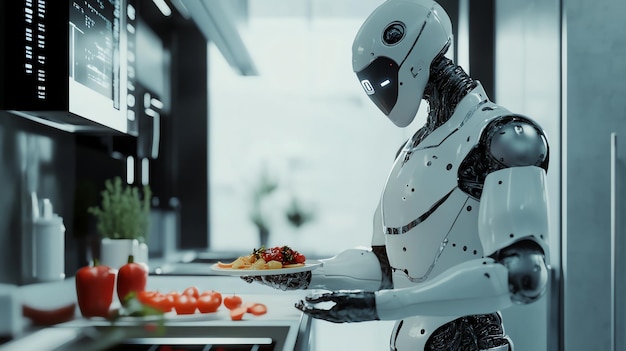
(185, 304)
(146, 296)
(163, 303)
(209, 302)
(192, 291)
(173, 295)
(232, 301)
(299, 258)
(213, 292)
(282, 254)
(273, 254)
(210, 292)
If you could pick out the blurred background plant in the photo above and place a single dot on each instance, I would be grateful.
(260, 214)
(277, 208)
(297, 214)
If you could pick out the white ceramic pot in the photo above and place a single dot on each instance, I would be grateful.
(114, 252)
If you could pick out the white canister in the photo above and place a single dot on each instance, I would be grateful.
(48, 245)
(114, 252)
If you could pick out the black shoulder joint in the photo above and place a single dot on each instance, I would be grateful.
(517, 141)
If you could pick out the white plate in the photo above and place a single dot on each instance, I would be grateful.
(308, 266)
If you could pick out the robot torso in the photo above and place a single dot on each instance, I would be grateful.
(431, 199)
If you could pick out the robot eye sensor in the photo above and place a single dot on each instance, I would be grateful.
(394, 33)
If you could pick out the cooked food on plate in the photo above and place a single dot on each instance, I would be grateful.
(267, 258)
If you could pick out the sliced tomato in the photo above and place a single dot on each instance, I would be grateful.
(257, 309)
(237, 313)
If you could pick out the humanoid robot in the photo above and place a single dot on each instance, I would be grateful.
(461, 230)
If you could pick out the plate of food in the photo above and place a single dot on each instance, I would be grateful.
(267, 261)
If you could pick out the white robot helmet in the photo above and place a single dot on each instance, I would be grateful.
(392, 53)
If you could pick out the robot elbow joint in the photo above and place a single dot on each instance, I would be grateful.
(528, 273)
(528, 285)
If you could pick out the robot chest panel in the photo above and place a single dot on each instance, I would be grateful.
(421, 179)
(446, 238)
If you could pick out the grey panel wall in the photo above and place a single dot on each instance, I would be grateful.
(595, 107)
(527, 54)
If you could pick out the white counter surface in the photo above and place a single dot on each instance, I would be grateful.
(281, 311)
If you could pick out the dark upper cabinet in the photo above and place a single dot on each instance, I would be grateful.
(70, 65)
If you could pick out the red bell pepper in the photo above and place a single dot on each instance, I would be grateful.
(132, 277)
(94, 289)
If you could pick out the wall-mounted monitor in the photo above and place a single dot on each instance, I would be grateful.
(71, 65)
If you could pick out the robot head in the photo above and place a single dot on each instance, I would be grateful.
(392, 53)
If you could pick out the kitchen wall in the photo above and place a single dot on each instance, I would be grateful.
(527, 81)
(594, 107)
(587, 83)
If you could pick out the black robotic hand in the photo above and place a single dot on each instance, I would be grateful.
(292, 281)
(350, 306)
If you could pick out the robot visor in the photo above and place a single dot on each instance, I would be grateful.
(380, 82)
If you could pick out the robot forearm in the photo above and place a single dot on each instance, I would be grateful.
(476, 287)
(357, 268)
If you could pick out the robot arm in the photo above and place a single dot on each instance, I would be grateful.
(513, 226)
(356, 268)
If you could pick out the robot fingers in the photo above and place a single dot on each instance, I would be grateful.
(318, 313)
(334, 296)
(349, 306)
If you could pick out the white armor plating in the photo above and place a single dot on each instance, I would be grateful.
(519, 190)
(358, 268)
(422, 195)
(433, 233)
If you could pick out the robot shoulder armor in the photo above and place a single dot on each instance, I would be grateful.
(515, 140)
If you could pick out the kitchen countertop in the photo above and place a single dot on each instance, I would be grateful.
(281, 312)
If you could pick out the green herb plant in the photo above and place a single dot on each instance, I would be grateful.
(124, 213)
